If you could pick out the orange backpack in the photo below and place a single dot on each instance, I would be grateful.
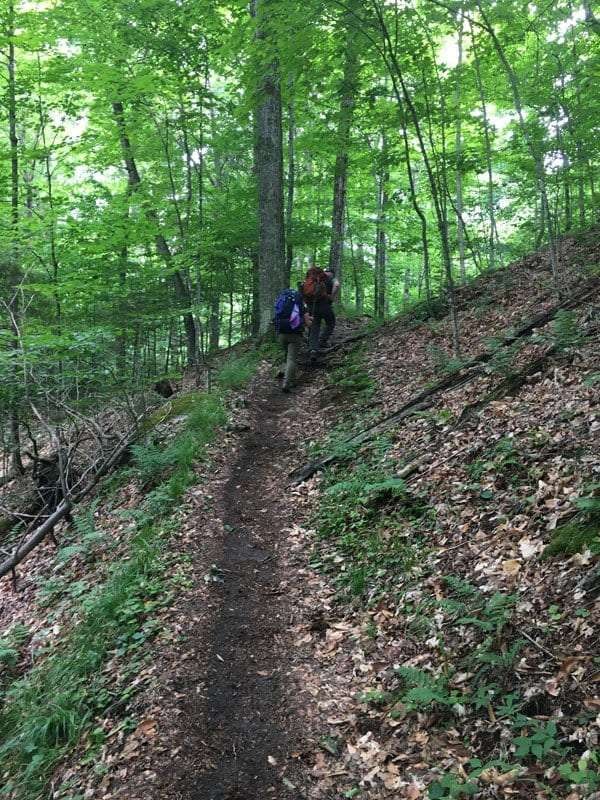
(315, 286)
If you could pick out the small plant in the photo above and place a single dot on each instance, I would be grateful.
(503, 357)
(539, 742)
(423, 689)
(236, 372)
(566, 332)
(351, 379)
(583, 532)
(443, 363)
(585, 773)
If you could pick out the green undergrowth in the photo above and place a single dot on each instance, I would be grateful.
(374, 527)
(351, 378)
(488, 652)
(582, 532)
(48, 709)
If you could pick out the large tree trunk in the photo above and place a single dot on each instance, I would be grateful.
(291, 179)
(268, 155)
(348, 91)
(182, 292)
(14, 268)
(460, 230)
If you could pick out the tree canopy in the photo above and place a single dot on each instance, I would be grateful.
(410, 145)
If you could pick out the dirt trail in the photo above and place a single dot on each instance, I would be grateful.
(246, 711)
(238, 735)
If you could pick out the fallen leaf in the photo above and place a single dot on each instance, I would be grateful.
(146, 728)
(511, 567)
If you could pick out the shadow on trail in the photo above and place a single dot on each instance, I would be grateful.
(244, 721)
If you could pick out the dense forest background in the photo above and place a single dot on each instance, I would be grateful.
(167, 167)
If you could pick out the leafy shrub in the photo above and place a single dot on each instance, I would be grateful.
(566, 331)
(583, 532)
(237, 371)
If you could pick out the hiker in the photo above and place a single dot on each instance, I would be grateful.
(291, 317)
(320, 290)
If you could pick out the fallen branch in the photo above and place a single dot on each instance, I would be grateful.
(467, 373)
(510, 385)
(32, 538)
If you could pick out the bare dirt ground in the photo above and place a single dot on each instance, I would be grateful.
(228, 717)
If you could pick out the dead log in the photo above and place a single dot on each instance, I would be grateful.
(32, 538)
(509, 386)
(467, 372)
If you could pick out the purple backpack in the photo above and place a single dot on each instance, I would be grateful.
(288, 312)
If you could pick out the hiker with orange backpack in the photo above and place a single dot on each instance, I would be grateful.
(291, 318)
(320, 290)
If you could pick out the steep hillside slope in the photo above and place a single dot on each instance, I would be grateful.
(459, 655)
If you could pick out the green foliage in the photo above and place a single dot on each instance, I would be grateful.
(574, 537)
(351, 378)
(566, 331)
(237, 371)
(366, 515)
(45, 712)
(443, 363)
(451, 786)
(585, 772)
(503, 459)
(204, 414)
(422, 689)
(583, 532)
(503, 356)
(540, 740)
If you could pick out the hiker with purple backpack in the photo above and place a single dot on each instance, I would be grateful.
(291, 318)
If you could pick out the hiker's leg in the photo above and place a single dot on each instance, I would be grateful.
(329, 317)
(315, 328)
(293, 347)
(284, 347)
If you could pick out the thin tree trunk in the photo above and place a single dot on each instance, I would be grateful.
(493, 232)
(381, 183)
(14, 276)
(348, 91)
(403, 97)
(182, 292)
(214, 325)
(414, 198)
(268, 154)
(460, 231)
(536, 155)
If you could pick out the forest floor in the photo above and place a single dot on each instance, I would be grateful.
(418, 621)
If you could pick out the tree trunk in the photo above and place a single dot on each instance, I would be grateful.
(214, 325)
(460, 231)
(493, 232)
(289, 208)
(182, 291)
(348, 91)
(536, 154)
(14, 267)
(403, 97)
(382, 180)
(268, 154)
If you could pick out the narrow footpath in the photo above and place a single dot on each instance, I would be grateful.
(244, 715)
(235, 721)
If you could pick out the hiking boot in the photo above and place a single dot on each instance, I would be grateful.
(313, 356)
(285, 389)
